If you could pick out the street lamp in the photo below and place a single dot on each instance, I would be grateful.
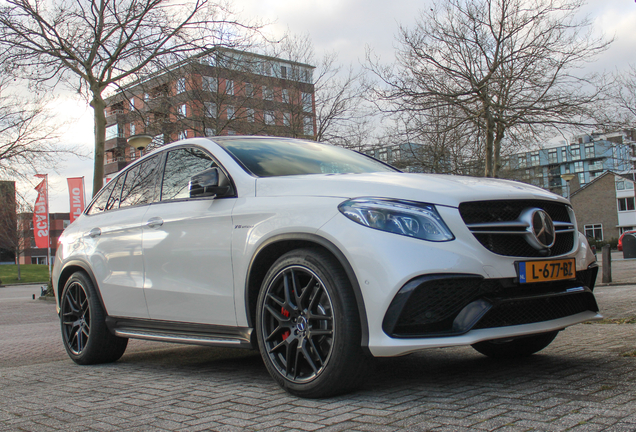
(139, 142)
(568, 178)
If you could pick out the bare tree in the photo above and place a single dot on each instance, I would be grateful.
(622, 99)
(338, 94)
(28, 136)
(90, 45)
(508, 66)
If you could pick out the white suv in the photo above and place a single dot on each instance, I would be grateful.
(319, 257)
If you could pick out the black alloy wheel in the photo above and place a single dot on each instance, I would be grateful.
(86, 337)
(308, 326)
(298, 324)
(76, 318)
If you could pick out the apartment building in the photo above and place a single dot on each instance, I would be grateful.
(220, 92)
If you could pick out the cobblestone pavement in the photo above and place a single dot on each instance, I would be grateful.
(582, 382)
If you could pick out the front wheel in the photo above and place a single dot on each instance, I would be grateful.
(308, 326)
(515, 348)
(84, 332)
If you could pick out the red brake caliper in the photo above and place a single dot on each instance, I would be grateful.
(285, 312)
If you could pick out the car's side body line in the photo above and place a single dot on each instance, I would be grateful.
(333, 249)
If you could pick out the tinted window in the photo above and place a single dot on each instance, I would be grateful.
(113, 201)
(182, 164)
(283, 157)
(139, 186)
(99, 205)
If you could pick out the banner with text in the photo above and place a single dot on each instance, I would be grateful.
(76, 194)
(40, 214)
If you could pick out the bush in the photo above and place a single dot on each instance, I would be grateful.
(613, 242)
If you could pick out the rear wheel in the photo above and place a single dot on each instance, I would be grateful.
(308, 326)
(515, 348)
(84, 332)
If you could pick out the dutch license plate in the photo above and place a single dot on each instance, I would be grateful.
(541, 271)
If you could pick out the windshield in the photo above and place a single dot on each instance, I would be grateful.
(272, 157)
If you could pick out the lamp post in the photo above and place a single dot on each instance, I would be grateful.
(139, 142)
(568, 178)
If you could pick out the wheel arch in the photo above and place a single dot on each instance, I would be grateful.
(273, 248)
(68, 270)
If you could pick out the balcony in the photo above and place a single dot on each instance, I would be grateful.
(113, 115)
(113, 143)
(596, 166)
(114, 166)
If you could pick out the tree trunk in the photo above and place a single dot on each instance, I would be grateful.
(17, 261)
(497, 149)
(99, 106)
(490, 138)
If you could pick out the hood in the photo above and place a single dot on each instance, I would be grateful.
(447, 190)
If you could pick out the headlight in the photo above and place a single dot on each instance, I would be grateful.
(400, 217)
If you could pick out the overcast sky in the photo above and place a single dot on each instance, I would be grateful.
(346, 27)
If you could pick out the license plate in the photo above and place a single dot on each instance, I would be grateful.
(541, 271)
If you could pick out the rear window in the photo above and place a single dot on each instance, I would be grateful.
(285, 157)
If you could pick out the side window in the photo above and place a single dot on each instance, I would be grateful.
(113, 201)
(182, 164)
(99, 205)
(139, 186)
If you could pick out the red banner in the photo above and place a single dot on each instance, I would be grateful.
(41, 215)
(76, 195)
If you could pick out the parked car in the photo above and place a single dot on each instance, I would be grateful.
(320, 258)
(620, 239)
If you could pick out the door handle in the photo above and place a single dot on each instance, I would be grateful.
(94, 232)
(154, 222)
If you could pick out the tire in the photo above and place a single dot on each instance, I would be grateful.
(516, 348)
(308, 326)
(86, 338)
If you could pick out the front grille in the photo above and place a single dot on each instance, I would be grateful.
(509, 211)
(431, 305)
(526, 311)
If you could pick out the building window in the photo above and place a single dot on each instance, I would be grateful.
(146, 97)
(564, 155)
(306, 75)
(589, 151)
(209, 132)
(132, 104)
(229, 87)
(249, 89)
(285, 96)
(306, 98)
(210, 109)
(582, 178)
(132, 129)
(231, 132)
(283, 72)
(620, 185)
(181, 85)
(626, 204)
(182, 110)
(250, 115)
(210, 84)
(268, 93)
(534, 158)
(578, 166)
(266, 68)
(269, 118)
(183, 135)
(230, 112)
(621, 230)
(595, 231)
(629, 185)
(552, 156)
(308, 125)
(576, 152)
(133, 154)
(522, 161)
(287, 119)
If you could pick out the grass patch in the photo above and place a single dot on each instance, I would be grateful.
(629, 320)
(30, 273)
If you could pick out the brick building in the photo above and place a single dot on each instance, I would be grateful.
(605, 206)
(220, 92)
(8, 221)
(32, 255)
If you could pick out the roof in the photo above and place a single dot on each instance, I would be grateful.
(606, 173)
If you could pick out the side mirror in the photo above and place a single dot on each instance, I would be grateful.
(211, 182)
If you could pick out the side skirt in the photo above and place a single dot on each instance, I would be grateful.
(179, 332)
